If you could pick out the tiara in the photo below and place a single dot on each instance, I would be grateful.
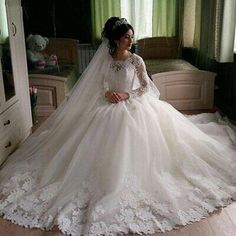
(120, 22)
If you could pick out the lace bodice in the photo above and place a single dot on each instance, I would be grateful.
(127, 76)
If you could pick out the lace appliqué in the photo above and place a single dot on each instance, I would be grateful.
(121, 65)
(117, 66)
(131, 209)
(133, 62)
(141, 90)
(24, 205)
(142, 76)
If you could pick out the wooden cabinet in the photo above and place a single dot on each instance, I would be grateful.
(15, 112)
(54, 83)
(52, 89)
(11, 131)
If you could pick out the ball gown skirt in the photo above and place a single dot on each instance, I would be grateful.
(137, 166)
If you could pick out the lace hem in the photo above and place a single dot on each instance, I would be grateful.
(133, 210)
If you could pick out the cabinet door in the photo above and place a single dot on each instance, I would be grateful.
(19, 63)
(2, 100)
(7, 85)
(10, 131)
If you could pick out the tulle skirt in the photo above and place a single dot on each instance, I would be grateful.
(137, 166)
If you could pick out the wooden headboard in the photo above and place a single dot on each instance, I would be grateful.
(65, 49)
(158, 48)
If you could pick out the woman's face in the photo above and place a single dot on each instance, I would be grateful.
(125, 42)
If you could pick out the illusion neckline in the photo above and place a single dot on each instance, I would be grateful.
(130, 56)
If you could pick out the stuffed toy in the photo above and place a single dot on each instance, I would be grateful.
(36, 58)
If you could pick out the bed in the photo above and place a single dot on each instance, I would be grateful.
(180, 83)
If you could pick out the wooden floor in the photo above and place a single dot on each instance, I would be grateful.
(40, 120)
(222, 223)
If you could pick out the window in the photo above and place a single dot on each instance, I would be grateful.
(148, 17)
(235, 40)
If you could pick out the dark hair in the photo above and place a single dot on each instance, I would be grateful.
(114, 29)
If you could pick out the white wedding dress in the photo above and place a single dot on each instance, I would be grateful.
(137, 166)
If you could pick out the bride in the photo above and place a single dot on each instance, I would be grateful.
(115, 159)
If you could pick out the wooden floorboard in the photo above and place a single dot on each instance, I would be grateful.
(221, 224)
(198, 228)
(231, 212)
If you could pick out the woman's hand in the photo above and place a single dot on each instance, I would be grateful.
(115, 97)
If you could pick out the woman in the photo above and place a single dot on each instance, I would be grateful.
(114, 158)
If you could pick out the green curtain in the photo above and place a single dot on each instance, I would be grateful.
(196, 40)
(204, 37)
(204, 40)
(214, 32)
(164, 18)
(179, 23)
(101, 10)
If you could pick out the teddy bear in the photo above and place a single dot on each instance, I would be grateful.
(37, 59)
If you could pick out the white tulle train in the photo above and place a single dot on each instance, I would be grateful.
(106, 180)
(96, 168)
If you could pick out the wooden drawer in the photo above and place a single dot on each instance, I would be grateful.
(9, 118)
(10, 131)
(51, 92)
(9, 144)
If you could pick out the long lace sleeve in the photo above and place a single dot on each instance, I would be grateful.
(142, 76)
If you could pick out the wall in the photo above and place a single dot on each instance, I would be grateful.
(58, 18)
(225, 96)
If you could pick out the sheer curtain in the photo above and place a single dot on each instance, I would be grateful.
(226, 49)
(189, 22)
(148, 17)
(139, 14)
(151, 17)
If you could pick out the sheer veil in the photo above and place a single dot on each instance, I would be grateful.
(96, 168)
(44, 153)
(78, 108)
